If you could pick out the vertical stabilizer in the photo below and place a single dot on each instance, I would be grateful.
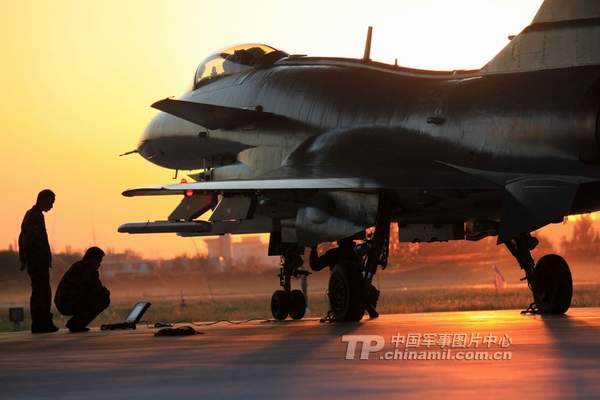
(563, 34)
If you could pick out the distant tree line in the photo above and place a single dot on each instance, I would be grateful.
(10, 265)
(583, 244)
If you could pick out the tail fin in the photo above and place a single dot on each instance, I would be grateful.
(564, 33)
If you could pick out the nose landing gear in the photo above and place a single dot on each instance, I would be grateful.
(286, 301)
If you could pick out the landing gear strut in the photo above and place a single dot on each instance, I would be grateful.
(549, 279)
(286, 301)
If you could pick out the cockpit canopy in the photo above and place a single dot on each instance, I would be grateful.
(235, 60)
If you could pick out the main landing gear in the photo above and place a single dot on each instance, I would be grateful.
(347, 293)
(286, 301)
(351, 290)
(549, 279)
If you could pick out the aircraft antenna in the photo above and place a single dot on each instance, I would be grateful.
(367, 56)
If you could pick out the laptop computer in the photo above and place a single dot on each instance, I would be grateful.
(134, 316)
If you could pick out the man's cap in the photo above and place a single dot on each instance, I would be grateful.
(93, 252)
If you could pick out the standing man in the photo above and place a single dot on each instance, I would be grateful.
(35, 256)
(80, 292)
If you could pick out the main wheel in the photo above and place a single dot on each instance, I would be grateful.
(553, 285)
(280, 304)
(347, 293)
(297, 304)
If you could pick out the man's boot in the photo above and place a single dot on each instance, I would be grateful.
(372, 300)
(36, 328)
(47, 327)
(75, 325)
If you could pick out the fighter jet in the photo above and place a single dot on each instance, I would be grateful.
(318, 149)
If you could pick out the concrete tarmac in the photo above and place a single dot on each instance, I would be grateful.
(513, 357)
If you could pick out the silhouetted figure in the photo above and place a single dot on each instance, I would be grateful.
(345, 253)
(80, 292)
(35, 256)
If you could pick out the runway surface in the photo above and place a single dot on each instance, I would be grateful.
(550, 357)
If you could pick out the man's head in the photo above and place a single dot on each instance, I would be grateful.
(45, 199)
(94, 256)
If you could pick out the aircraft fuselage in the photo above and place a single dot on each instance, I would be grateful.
(388, 124)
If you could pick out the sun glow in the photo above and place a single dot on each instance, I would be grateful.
(77, 79)
(574, 218)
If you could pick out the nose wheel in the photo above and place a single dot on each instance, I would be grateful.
(280, 305)
(297, 304)
(286, 301)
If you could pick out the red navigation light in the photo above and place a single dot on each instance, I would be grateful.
(189, 192)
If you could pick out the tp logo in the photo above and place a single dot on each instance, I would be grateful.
(370, 344)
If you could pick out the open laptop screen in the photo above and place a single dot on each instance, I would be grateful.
(136, 312)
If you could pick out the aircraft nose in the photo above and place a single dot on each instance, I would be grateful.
(171, 142)
(146, 147)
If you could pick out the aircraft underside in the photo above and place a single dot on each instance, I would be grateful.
(301, 218)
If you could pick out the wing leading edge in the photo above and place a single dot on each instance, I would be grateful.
(255, 185)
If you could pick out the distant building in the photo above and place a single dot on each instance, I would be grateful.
(119, 264)
(223, 252)
(249, 247)
(219, 250)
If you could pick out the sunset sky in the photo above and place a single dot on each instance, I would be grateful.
(77, 79)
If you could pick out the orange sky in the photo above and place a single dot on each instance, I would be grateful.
(77, 79)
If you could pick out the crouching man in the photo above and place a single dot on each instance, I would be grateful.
(80, 292)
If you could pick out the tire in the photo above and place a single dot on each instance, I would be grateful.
(553, 289)
(297, 304)
(280, 304)
(347, 293)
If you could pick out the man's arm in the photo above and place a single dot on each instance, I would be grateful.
(91, 280)
(313, 259)
(22, 258)
(318, 263)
